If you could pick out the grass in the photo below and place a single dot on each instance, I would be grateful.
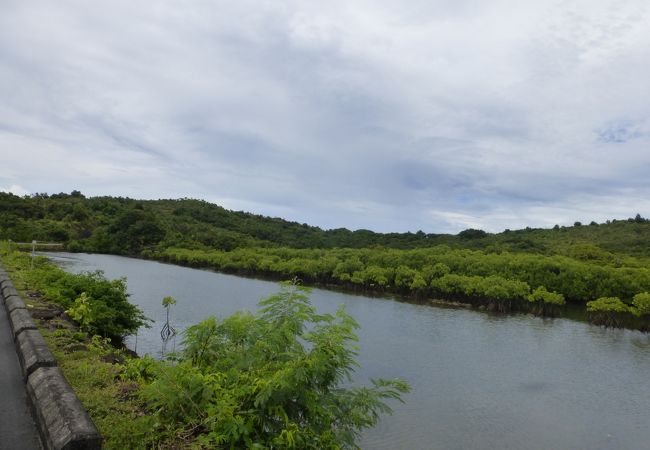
(91, 365)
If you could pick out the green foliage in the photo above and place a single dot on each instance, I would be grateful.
(80, 312)
(579, 263)
(494, 291)
(608, 304)
(541, 295)
(168, 301)
(590, 252)
(112, 403)
(472, 233)
(111, 314)
(100, 306)
(641, 302)
(608, 311)
(274, 379)
(127, 226)
(402, 271)
(545, 303)
(139, 369)
(168, 331)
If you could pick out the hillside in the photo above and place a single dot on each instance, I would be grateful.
(126, 226)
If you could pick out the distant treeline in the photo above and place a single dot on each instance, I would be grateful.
(605, 266)
(125, 226)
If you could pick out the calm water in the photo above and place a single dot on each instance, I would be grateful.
(479, 381)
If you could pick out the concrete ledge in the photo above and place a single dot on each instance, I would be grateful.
(63, 422)
(33, 352)
(4, 282)
(14, 302)
(8, 290)
(20, 320)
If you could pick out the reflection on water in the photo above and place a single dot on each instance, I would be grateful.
(479, 381)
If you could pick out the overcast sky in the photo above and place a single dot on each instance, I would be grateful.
(437, 115)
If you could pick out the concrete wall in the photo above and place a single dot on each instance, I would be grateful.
(62, 420)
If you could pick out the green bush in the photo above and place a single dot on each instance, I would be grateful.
(274, 379)
(641, 302)
(545, 303)
(100, 306)
(608, 311)
(110, 313)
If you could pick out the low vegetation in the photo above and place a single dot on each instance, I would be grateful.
(91, 363)
(495, 281)
(532, 270)
(268, 380)
(279, 378)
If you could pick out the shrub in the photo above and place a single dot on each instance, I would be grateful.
(110, 313)
(607, 311)
(270, 380)
(641, 303)
(545, 303)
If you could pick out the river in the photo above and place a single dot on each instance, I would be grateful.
(479, 381)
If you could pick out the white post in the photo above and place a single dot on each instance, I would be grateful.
(33, 251)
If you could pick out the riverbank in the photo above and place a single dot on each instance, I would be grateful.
(230, 392)
(91, 366)
(461, 292)
(476, 373)
(432, 281)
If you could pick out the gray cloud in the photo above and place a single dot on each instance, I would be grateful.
(432, 115)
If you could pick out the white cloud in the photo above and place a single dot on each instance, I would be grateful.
(427, 115)
(16, 190)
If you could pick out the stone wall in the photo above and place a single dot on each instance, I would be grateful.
(62, 420)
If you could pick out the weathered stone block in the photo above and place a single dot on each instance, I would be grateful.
(8, 289)
(4, 282)
(14, 302)
(64, 423)
(33, 352)
(20, 320)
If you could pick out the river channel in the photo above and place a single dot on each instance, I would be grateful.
(479, 381)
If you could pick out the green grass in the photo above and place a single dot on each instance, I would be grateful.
(113, 404)
(91, 365)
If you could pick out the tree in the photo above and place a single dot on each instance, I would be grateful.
(545, 303)
(270, 380)
(641, 303)
(133, 230)
(472, 233)
(101, 305)
(167, 331)
(608, 311)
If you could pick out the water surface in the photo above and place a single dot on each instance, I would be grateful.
(479, 381)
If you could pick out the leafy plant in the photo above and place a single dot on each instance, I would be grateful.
(641, 303)
(545, 302)
(274, 379)
(139, 369)
(608, 311)
(99, 305)
(80, 312)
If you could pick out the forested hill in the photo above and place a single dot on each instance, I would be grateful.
(126, 226)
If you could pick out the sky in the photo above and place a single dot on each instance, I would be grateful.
(435, 115)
